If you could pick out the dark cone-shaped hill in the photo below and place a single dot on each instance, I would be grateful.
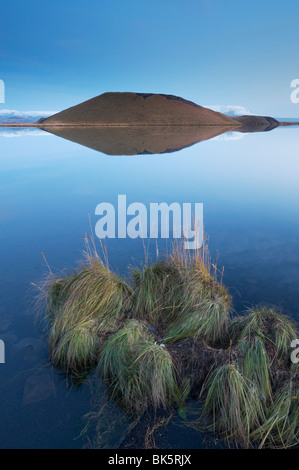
(139, 109)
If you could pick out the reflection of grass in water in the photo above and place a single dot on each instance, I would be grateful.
(132, 333)
(149, 440)
(106, 426)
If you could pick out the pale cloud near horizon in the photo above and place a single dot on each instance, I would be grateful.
(14, 112)
(230, 108)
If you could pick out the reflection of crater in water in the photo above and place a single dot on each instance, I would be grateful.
(137, 140)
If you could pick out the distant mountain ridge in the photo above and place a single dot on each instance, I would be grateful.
(11, 116)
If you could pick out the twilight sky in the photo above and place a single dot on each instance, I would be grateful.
(55, 54)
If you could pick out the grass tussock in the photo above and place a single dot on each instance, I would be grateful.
(280, 429)
(158, 292)
(182, 298)
(234, 403)
(255, 365)
(206, 305)
(268, 325)
(285, 331)
(209, 321)
(80, 308)
(139, 370)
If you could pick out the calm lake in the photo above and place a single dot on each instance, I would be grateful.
(248, 184)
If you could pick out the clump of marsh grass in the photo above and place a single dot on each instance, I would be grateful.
(202, 284)
(285, 331)
(80, 309)
(147, 336)
(234, 403)
(77, 348)
(139, 370)
(280, 429)
(255, 365)
(181, 295)
(263, 320)
(268, 325)
(249, 325)
(206, 304)
(93, 292)
(208, 321)
(158, 291)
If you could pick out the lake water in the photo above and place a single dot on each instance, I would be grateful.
(248, 184)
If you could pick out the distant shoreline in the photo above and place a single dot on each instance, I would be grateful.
(43, 126)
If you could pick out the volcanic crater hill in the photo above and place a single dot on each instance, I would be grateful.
(256, 123)
(139, 109)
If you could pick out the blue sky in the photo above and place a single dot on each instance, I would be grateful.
(55, 54)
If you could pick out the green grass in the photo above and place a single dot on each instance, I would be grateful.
(255, 365)
(234, 403)
(138, 370)
(86, 304)
(285, 331)
(158, 292)
(131, 331)
(280, 429)
(208, 322)
(77, 349)
(205, 307)
(250, 325)
(268, 325)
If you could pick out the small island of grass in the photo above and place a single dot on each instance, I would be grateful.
(166, 334)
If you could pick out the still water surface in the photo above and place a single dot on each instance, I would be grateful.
(248, 184)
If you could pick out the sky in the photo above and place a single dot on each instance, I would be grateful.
(55, 54)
